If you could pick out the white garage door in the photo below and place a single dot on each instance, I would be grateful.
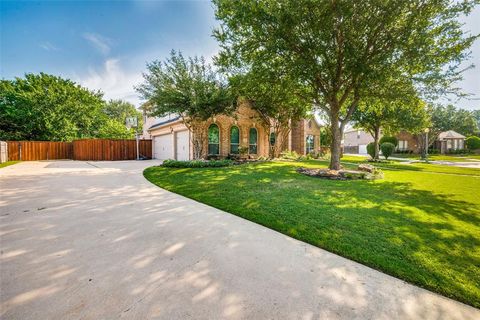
(183, 144)
(362, 149)
(163, 147)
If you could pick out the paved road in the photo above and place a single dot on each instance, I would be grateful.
(97, 241)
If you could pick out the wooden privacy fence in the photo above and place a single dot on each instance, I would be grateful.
(104, 149)
(88, 149)
(39, 150)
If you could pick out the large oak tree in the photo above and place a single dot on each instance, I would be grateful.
(341, 49)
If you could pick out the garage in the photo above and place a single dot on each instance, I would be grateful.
(362, 149)
(163, 147)
(182, 145)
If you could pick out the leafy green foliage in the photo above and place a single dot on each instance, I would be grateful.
(450, 118)
(120, 110)
(45, 107)
(289, 155)
(412, 224)
(392, 140)
(186, 86)
(473, 142)
(343, 52)
(197, 163)
(113, 129)
(371, 150)
(387, 149)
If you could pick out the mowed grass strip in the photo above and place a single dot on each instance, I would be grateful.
(8, 163)
(423, 227)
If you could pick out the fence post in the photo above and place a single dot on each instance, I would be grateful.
(20, 150)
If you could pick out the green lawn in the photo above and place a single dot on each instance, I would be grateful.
(8, 163)
(417, 166)
(440, 157)
(419, 225)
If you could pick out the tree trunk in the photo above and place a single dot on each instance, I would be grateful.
(336, 146)
(376, 140)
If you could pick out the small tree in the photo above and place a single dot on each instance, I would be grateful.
(371, 150)
(387, 149)
(392, 140)
(190, 88)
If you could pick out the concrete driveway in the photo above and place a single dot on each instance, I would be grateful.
(95, 240)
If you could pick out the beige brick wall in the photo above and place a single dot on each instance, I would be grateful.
(245, 118)
(300, 130)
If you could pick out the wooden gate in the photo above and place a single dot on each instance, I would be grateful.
(105, 149)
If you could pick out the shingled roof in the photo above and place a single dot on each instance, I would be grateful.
(450, 134)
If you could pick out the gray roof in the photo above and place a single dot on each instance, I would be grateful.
(450, 134)
(156, 125)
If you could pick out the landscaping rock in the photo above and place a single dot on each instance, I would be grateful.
(341, 174)
(366, 168)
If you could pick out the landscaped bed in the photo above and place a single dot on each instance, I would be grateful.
(420, 226)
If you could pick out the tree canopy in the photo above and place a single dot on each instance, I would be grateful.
(47, 107)
(449, 117)
(342, 51)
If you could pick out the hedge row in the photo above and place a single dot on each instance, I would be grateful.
(197, 163)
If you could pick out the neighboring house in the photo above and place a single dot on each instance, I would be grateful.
(225, 134)
(355, 141)
(449, 140)
(408, 142)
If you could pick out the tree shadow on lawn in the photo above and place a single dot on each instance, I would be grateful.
(426, 238)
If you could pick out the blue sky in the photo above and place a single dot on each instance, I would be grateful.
(106, 44)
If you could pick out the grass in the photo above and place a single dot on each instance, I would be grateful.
(440, 157)
(8, 163)
(420, 226)
(418, 166)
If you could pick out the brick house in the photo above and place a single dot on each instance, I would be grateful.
(224, 135)
(355, 141)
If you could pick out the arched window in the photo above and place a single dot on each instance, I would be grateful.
(252, 141)
(213, 140)
(234, 139)
(272, 138)
(310, 144)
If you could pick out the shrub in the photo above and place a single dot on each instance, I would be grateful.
(392, 140)
(197, 163)
(243, 150)
(371, 149)
(473, 143)
(290, 155)
(387, 149)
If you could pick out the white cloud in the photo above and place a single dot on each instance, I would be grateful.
(114, 81)
(48, 46)
(100, 42)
